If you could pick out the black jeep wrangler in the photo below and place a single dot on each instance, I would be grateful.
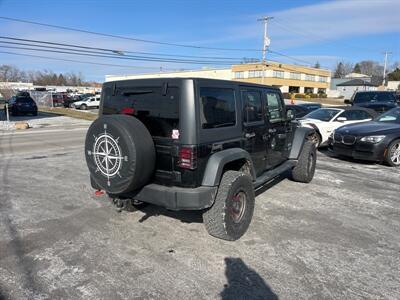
(195, 144)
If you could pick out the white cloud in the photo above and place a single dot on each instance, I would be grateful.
(338, 19)
(332, 20)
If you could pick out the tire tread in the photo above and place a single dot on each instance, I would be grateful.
(214, 218)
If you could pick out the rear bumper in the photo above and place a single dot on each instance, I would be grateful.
(24, 110)
(177, 198)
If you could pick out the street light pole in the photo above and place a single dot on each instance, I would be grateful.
(266, 43)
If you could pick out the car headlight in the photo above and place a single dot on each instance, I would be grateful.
(372, 139)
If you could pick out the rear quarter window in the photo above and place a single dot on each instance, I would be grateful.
(217, 107)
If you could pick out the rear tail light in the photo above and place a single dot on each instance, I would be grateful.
(128, 111)
(188, 157)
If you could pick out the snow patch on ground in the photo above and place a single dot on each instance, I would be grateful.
(44, 122)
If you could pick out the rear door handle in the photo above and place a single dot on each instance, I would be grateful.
(249, 135)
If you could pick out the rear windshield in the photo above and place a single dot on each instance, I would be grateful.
(363, 97)
(156, 107)
(322, 114)
(24, 100)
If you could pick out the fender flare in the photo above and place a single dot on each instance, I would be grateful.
(299, 138)
(217, 161)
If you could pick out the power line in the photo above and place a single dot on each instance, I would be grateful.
(126, 38)
(288, 56)
(77, 61)
(148, 53)
(136, 58)
(98, 64)
(115, 51)
(111, 55)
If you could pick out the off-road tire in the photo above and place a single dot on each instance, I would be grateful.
(388, 159)
(218, 219)
(305, 168)
(131, 154)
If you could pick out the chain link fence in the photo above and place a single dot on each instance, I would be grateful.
(44, 99)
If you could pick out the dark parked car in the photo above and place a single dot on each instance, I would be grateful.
(299, 111)
(377, 140)
(22, 104)
(58, 99)
(195, 144)
(68, 100)
(380, 101)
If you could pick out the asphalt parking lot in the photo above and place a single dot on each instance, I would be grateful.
(336, 238)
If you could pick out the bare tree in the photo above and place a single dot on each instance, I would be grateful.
(371, 68)
(6, 91)
(9, 73)
(348, 68)
(396, 65)
(339, 71)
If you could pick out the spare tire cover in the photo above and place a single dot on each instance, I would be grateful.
(119, 153)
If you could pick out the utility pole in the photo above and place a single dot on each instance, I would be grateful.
(267, 42)
(385, 65)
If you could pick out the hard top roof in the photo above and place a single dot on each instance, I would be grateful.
(126, 82)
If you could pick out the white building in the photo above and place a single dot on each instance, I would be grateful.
(348, 88)
(288, 78)
(393, 85)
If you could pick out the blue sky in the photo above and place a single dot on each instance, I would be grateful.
(324, 31)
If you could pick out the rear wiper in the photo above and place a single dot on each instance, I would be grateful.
(137, 92)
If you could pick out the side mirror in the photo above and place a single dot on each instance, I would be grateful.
(341, 119)
(347, 101)
(290, 114)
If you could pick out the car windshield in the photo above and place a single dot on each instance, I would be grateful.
(392, 116)
(363, 97)
(323, 114)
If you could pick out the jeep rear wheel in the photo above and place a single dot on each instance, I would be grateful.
(120, 154)
(231, 214)
(305, 168)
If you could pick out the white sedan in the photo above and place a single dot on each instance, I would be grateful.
(90, 102)
(326, 120)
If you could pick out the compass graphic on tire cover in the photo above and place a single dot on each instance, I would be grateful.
(107, 155)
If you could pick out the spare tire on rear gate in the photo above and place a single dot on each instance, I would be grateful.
(119, 153)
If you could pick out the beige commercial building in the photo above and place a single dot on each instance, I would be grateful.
(289, 78)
